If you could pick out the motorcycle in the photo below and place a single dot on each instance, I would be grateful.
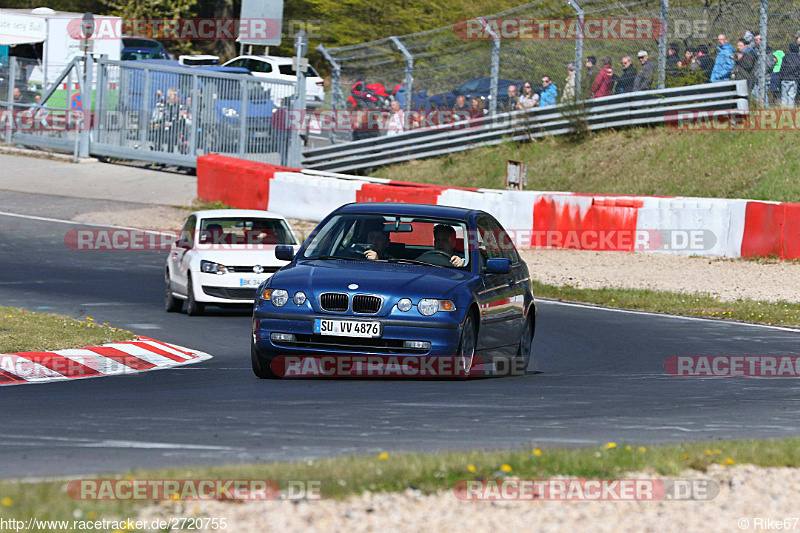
(371, 96)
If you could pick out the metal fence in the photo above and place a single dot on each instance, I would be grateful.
(150, 112)
(724, 99)
(438, 65)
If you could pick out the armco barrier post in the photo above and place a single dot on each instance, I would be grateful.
(495, 67)
(578, 49)
(336, 90)
(12, 81)
(86, 104)
(762, 54)
(408, 88)
(662, 46)
(295, 142)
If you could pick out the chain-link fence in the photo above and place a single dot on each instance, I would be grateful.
(613, 46)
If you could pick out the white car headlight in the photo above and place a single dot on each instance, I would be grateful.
(429, 306)
(404, 305)
(299, 298)
(209, 267)
(230, 112)
(279, 297)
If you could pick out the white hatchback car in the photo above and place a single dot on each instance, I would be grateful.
(280, 68)
(222, 256)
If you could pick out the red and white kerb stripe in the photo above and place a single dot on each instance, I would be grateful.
(110, 359)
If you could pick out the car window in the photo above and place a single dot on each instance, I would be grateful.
(470, 86)
(494, 241)
(259, 66)
(187, 233)
(429, 240)
(242, 62)
(245, 230)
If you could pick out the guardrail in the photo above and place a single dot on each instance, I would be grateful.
(632, 109)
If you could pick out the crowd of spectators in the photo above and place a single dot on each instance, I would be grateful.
(694, 66)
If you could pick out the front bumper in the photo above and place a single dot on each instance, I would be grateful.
(443, 336)
(227, 288)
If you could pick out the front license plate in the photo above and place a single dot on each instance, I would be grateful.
(249, 282)
(347, 328)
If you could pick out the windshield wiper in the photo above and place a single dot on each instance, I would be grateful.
(408, 261)
(326, 257)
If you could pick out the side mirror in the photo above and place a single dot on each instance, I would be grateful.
(183, 243)
(284, 252)
(498, 265)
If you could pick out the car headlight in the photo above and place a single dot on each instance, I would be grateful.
(429, 306)
(404, 305)
(230, 112)
(279, 297)
(209, 267)
(299, 298)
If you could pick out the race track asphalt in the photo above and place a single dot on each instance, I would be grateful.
(603, 379)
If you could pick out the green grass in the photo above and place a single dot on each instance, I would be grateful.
(388, 472)
(26, 331)
(646, 161)
(697, 305)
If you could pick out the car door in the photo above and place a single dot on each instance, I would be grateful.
(502, 298)
(181, 255)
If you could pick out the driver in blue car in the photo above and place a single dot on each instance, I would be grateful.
(444, 237)
(378, 240)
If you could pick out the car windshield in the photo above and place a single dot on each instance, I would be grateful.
(141, 54)
(245, 230)
(406, 239)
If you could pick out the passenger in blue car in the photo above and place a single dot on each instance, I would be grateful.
(444, 239)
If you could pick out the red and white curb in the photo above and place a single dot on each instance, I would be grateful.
(118, 358)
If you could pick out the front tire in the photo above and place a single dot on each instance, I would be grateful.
(525, 349)
(261, 367)
(193, 307)
(171, 304)
(466, 346)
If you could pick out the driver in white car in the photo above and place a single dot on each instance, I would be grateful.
(443, 238)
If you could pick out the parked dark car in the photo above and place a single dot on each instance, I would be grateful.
(138, 48)
(480, 87)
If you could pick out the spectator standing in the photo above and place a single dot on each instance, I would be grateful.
(771, 60)
(510, 104)
(476, 109)
(528, 99)
(396, 121)
(549, 92)
(590, 74)
(723, 65)
(703, 61)
(604, 82)
(745, 64)
(569, 87)
(624, 83)
(775, 80)
(644, 78)
(790, 73)
(687, 61)
(673, 57)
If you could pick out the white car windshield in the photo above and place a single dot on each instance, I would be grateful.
(428, 240)
(230, 230)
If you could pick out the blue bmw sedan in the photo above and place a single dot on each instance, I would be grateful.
(404, 282)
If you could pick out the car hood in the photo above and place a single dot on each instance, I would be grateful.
(386, 279)
(233, 255)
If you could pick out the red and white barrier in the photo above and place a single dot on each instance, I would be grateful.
(117, 358)
(689, 226)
